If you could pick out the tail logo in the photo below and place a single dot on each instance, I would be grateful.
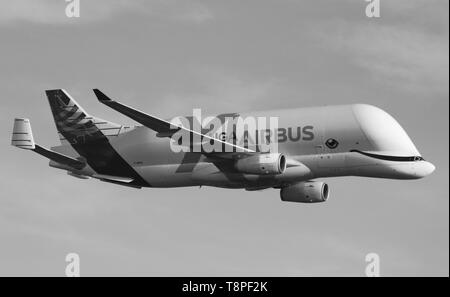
(71, 120)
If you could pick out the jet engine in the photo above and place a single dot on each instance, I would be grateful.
(262, 164)
(306, 192)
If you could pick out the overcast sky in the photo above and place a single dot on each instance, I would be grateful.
(169, 56)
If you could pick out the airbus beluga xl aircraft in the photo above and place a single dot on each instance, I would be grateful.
(312, 143)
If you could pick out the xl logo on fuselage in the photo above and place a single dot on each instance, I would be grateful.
(232, 133)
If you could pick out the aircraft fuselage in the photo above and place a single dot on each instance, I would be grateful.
(347, 140)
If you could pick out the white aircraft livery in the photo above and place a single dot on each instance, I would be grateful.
(311, 143)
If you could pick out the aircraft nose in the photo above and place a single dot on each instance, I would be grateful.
(414, 170)
(425, 169)
(422, 169)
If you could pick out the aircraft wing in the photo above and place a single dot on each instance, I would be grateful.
(165, 128)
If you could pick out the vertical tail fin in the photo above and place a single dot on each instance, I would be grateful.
(74, 124)
(22, 136)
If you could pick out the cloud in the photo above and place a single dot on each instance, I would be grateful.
(229, 91)
(406, 48)
(53, 12)
(409, 59)
(196, 13)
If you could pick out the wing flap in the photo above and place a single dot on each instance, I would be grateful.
(120, 179)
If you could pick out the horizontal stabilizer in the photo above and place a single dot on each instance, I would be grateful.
(59, 158)
(23, 138)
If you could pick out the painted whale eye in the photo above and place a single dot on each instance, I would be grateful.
(332, 143)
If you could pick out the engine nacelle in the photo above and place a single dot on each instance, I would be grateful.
(306, 192)
(262, 164)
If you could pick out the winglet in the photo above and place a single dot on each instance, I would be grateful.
(100, 96)
(22, 136)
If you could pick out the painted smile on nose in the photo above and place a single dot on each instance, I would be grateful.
(412, 167)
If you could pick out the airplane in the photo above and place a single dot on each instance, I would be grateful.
(312, 143)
